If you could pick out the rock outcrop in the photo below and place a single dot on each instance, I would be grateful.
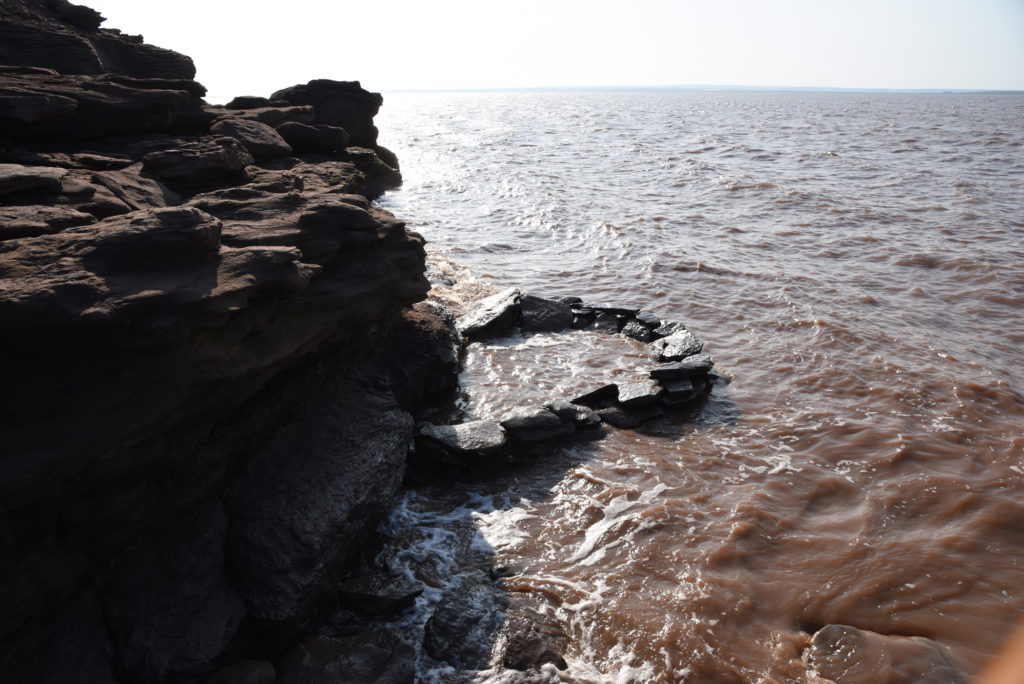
(208, 352)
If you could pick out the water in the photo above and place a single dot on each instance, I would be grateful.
(852, 260)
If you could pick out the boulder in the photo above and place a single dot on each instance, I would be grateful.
(601, 397)
(604, 322)
(648, 319)
(617, 417)
(583, 417)
(545, 315)
(847, 655)
(676, 346)
(276, 116)
(338, 103)
(206, 162)
(693, 366)
(533, 424)
(15, 178)
(635, 330)
(666, 328)
(465, 623)
(532, 638)
(376, 656)
(639, 393)
(473, 440)
(491, 315)
(306, 138)
(377, 595)
(262, 141)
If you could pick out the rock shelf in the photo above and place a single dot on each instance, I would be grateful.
(683, 376)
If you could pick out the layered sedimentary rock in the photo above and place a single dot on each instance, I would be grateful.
(207, 353)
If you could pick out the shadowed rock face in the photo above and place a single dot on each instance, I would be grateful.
(207, 355)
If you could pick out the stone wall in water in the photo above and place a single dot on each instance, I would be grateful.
(210, 353)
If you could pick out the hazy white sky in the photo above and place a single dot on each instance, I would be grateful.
(254, 47)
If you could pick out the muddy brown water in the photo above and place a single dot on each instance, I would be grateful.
(852, 261)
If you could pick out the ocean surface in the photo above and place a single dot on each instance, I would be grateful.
(854, 263)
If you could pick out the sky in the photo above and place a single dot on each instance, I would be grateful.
(255, 47)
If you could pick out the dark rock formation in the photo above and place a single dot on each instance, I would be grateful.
(545, 315)
(461, 628)
(676, 346)
(209, 363)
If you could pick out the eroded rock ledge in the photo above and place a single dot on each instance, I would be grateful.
(209, 356)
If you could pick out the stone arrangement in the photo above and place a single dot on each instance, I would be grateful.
(683, 375)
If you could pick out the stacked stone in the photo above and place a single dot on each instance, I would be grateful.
(684, 375)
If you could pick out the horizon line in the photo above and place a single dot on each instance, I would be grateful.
(716, 88)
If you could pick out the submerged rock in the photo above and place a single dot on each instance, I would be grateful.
(847, 655)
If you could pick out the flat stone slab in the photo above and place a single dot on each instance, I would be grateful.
(18, 178)
(545, 315)
(475, 437)
(666, 328)
(491, 315)
(639, 393)
(690, 367)
(614, 309)
(676, 346)
(598, 397)
(635, 330)
(584, 417)
(535, 423)
(617, 417)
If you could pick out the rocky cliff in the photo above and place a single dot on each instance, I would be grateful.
(208, 357)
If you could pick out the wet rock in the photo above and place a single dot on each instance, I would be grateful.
(377, 656)
(377, 595)
(604, 322)
(532, 639)
(676, 346)
(307, 138)
(262, 141)
(491, 315)
(17, 178)
(464, 625)
(633, 394)
(170, 608)
(583, 417)
(617, 417)
(533, 424)
(245, 672)
(646, 412)
(295, 521)
(379, 176)
(667, 328)
(545, 315)
(612, 309)
(690, 367)
(680, 388)
(601, 397)
(478, 438)
(847, 655)
(648, 319)
(195, 164)
(635, 330)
